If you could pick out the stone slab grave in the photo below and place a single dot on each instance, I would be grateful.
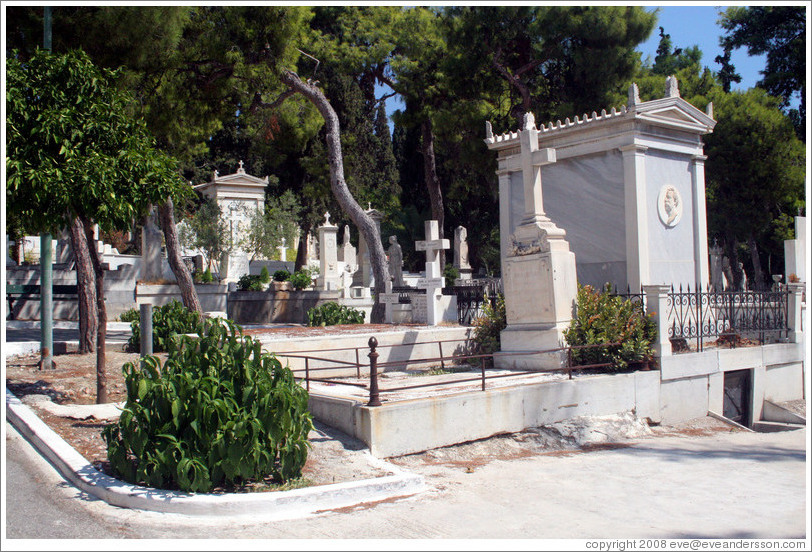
(627, 186)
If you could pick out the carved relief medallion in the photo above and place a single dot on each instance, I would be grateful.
(669, 205)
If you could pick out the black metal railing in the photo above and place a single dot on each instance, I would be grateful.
(730, 317)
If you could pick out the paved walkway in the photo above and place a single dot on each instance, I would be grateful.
(729, 485)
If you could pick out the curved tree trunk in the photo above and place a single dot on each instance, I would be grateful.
(86, 287)
(179, 268)
(433, 181)
(101, 312)
(366, 226)
(759, 281)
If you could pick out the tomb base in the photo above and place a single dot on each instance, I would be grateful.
(518, 342)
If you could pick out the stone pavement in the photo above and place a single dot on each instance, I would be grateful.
(726, 485)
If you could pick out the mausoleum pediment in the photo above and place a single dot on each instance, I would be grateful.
(674, 112)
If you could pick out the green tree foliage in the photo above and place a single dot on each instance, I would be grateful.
(168, 321)
(779, 32)
(669, 61)
(265, 229)
(75, 153)
(218, 412)
(208, 230)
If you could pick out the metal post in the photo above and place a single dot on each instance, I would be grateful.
(569, 361)
(442, 361)
(482, 366)
(357, 364)
(374, 399)
(146, 330)
(307, 374)
(46, 299)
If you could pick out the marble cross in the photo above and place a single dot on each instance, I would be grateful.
(432, 245)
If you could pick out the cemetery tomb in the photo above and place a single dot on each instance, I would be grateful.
(627, 187)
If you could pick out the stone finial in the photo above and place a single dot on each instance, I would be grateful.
(634, 95)
(529, 121)
(671, 87)
(346, 234)
(241, 170)
(709, 110)
(488, 130)
(327, 218)
(216, 174)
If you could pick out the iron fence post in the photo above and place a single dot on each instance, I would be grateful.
(307, 374)
(146, 330)
(357, 364)
(569, 362)
(374, 399)
(442, 360)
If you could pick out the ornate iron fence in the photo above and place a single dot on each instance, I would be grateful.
(471, 297)
(728, 316)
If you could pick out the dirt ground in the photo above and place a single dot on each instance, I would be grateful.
(334, 457)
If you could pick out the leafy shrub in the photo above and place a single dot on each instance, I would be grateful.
(604, 318)
(219, 412)
(281, 276)
(130, 315)
(264, 277)
(167, 321)
(450, 273)
(331, 313)
(488, 328)
(301, 279)
(250, 283)
(207, 277)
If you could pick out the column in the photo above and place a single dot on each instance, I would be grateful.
(700, 221)
(657, 307)
(634, 178)
(504, 213)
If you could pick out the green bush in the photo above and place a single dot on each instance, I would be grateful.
(250, 283)
(264, 277)
(130, 315)
(331, 313)
(167, 321)
(218, 412)
(281, 276)
(207, 277)
(450, 273)
(605, 318)
(301, 279)
(488, 328)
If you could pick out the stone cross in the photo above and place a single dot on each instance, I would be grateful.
(432, 245)
(433, 282)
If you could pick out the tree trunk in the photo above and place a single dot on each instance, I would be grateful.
(731, 245)
(179, 268)
(758, 273)
(366, 226)
(86, 287)
(432, 181)
(101, 312)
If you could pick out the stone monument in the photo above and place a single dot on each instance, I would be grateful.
(367, 278)
(438, 307)
(395, 254)
(329, 274)
(237, 195)
(151, 256)
(795, 253)
(461, 253)
(538, 269)
(627, 186)
(347, 252)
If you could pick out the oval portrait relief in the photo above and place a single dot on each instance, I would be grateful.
(669, 205)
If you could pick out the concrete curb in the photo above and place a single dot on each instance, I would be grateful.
(15, 348)
(61, 325)
(270, 505)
